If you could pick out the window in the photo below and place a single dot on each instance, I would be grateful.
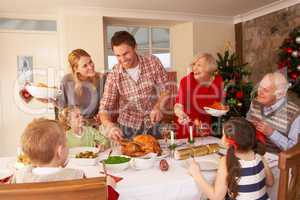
(27, 24)
(150, 40)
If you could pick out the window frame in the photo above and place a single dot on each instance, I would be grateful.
(150, 49)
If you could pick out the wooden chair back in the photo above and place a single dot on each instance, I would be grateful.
(289, 180)
(82, 189)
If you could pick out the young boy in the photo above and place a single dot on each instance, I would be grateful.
(44, 142)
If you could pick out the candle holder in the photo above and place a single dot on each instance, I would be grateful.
(191, 141)
(172, 148)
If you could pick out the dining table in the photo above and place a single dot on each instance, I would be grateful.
(153, 183)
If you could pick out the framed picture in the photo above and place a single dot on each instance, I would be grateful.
(25, 69)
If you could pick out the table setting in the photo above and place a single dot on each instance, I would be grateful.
(150, 176)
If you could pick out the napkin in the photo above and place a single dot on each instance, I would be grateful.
(116, 178)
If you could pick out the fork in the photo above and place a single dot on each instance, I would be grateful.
(103, 163)
(146, 121)
(104, 168)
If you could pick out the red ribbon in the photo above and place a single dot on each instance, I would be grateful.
(232, 142)
(260, 137)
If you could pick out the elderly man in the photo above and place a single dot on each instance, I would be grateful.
(273, 115)
(135, 88)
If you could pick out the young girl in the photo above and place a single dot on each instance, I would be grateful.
(242, 174)
(77, 133)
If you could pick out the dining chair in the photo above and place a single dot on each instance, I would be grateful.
(82, 189)
(289, 180)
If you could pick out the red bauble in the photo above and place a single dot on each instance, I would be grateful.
(281, 65)
(239, 95)
(288, 64)
(294, 75)
(289, 50)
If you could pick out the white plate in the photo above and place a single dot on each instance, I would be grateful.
(43, 92)
(165, 153)
(208, 165)
(215, 112)
(205, 165)
(82, 161)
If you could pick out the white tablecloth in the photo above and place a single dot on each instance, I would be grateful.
(173, 184)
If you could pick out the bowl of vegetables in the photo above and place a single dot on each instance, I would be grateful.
(83, 156)
(117, 162)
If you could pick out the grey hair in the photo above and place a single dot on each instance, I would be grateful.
(280, 82)
(210, 60)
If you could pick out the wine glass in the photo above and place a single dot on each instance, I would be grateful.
(115, 146)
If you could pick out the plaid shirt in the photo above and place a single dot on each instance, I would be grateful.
(134, 100)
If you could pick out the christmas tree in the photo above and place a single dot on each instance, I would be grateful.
(289, 59)
(237, 87)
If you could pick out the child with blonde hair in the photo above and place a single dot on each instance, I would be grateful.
(44, 143)
(242, 173)
(77, 133)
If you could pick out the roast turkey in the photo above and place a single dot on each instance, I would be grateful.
(140, 146)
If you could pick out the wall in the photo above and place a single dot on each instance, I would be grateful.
(263, 36)
(84, 32)
(212, 36)
(15, 114)
(190, 38)
(262, 39)
(182, 48)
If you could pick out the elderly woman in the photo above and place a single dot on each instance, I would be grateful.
(202, 87)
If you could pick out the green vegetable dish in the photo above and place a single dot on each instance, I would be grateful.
(116, 160)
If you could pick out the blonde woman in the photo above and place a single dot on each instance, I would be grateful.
(83, 87)
(202, 87)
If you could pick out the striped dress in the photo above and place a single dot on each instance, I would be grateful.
(252, 184)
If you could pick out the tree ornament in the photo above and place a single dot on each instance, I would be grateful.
(289, 50)
(297, 40)
(293, 75)
(239, 95)
(239, 104)
(295, 54)
(289, 59)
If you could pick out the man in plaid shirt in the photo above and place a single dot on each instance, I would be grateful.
(135, 89)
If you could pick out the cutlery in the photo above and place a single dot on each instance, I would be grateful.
(103, 163)
(109, 153)
(104, 168)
